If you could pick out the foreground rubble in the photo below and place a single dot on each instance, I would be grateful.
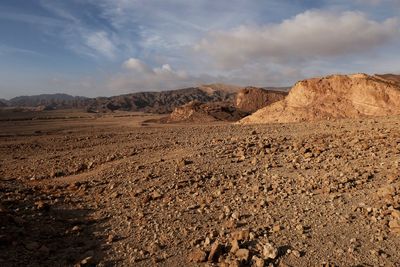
(305, 194)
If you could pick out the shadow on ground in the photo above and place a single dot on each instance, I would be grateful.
(42, 226)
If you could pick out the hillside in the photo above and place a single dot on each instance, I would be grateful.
(251, 99)
(198, 112)
(153, 102)
(49, 101)
(335, 96)
(159, 102)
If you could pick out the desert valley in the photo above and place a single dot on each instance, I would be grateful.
(187, 133)
(215, 175)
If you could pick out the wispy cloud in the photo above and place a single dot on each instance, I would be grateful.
(6, 50)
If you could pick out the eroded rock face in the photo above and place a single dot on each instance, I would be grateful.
(251, 99)
(336, 96)
(205, 112)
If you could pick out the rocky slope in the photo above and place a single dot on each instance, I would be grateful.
(336, 96)
(251, 99)
(205, 112)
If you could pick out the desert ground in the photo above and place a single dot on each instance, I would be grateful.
(81, 189)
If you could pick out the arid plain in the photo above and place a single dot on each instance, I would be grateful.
(112, 189)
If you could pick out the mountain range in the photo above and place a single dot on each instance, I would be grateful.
(154, 102)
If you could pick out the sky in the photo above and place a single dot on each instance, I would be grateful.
(110, 47)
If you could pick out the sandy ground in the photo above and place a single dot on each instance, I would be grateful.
(89, 190)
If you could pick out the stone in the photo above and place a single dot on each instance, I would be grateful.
(241, 235)
(110, 239)
(276, 228)
(197, 256)
(76, 228)
(386, 191)
(155, 195)
(396, 214)
(43, 206)
(32, 245)
(296, 253)
(235, 246)
(258, 262)
(394, 226)
(215, 252)
(242, 254)
(88, 261)
(44, 250)
(269, 251)
(235, 215)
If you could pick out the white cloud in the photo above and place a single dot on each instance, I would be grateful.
(307, 36)
(100, 42)
(138, 76)
(135, 64)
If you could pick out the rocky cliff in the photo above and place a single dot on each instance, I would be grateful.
(335, 96)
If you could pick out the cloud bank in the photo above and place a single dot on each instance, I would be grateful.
(306, 37)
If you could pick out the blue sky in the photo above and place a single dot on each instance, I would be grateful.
(109, 47)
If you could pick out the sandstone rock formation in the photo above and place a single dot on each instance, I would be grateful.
(205, 112)
(336, 96)
(251, 99)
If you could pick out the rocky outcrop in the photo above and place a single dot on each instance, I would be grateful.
(251, 99)
(336, 96)
(205, 112)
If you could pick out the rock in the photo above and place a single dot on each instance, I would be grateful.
(241, 235)
(235, 246)
(44, 250)
(243, 254)
(40, 205)
(386, 191)
(394, 226)
(216, 250)
(258, 262)
(88, 261)
(3, 209)
(276, 228)
(156, 195)
(197, 256)
(115, 195)
(396, 214)
(76, 228)
(296, 253)
(269, 251)
(110, 239)
(236, 215)
(32, 245)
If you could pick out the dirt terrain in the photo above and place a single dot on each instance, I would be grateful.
(115, 191)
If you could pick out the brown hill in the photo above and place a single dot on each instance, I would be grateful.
(153, 102)
(336, 96)
(205, 112)
(251, 99)
(390, 77)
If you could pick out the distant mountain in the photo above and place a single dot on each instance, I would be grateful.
(159, 102)
(154, 102)
(50, 101)
(3, 103)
